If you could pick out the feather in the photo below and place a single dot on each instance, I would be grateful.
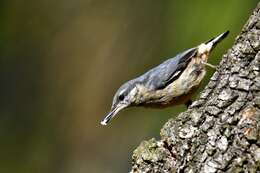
(162, 75)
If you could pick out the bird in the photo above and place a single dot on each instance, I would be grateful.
(170, 83)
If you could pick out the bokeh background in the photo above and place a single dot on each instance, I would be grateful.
(61, 62)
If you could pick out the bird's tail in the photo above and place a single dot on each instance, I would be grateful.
(214, 41)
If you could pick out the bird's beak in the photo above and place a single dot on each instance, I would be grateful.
(113, 113)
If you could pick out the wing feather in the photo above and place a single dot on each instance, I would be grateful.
(162, 75)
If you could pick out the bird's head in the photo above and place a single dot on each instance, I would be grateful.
(124, 98)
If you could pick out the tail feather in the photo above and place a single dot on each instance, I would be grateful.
(214, 41)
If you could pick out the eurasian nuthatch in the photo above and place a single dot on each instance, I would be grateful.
(170, 83)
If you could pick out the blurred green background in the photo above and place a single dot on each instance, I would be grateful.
(61, 62)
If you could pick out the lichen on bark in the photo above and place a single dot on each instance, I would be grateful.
(220, 131)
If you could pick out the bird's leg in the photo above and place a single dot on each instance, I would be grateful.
(188, 103)
(209, 65)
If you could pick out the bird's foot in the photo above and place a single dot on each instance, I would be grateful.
(209, 65)
(188, 103)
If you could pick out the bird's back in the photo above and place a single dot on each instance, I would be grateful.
(162, 75)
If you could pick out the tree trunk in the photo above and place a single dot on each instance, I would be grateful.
(220, 131)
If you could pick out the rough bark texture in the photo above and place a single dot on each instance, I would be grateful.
(220, 131)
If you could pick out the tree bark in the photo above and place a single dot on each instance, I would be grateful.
(220, 131)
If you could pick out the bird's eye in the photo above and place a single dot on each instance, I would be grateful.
(121, 97)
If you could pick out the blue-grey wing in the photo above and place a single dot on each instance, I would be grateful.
(162, 75)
